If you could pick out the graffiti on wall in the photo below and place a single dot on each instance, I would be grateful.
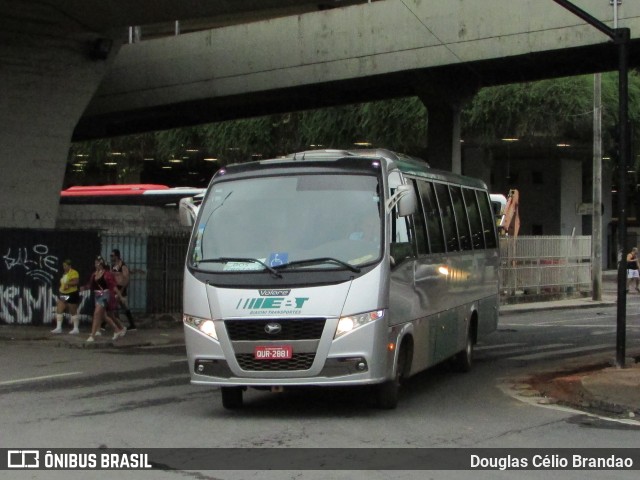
(19, 305)
(30, 269)
(35, 261)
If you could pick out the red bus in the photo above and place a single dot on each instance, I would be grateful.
(127, 194)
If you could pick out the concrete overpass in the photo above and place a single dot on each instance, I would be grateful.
(68, 77)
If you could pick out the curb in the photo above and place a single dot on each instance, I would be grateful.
(563, 388)
(533, 308)
(145, 337)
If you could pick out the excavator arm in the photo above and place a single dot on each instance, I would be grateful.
(510, 222)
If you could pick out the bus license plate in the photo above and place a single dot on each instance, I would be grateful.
(280, 352)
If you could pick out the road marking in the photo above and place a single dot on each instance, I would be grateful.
(488, 355)
(565, 325)
(492, 347)
(604, 332)
(536, 356)
(158, 347)
(35, 379)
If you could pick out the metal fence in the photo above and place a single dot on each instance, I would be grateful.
(156, 263)
(545, 265)
(531, 267)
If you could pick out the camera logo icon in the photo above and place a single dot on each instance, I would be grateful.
(23, 459)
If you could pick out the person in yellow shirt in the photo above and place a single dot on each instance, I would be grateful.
(68, 299)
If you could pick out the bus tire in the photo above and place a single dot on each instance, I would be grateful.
(463, 360)
(231, 397)
(387, 393)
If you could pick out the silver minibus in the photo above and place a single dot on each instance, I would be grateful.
(337, 268)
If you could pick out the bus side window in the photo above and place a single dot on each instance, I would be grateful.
(464, 234)
(402, 241)
(432, 216)
(477, 236)
(487, 220)
(448, 217)
(419, 225)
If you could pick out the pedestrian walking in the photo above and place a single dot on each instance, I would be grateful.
(68, 298)
(121, 273)
(103, 285)
(633, 269)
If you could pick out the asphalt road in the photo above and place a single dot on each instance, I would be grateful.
(141, 398)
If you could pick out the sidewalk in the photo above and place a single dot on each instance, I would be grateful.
(148, 334)
(589, 383)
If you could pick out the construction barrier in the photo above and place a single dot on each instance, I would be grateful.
(535, 266)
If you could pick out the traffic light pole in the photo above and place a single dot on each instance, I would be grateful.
(620, 37)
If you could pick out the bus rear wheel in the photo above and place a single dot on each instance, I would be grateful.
(463, 361)
(231, 397)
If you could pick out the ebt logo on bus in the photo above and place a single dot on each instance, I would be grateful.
(269, 303)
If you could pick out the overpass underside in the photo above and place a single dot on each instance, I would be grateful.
(68, 77)
(392, 48)
(457, 81)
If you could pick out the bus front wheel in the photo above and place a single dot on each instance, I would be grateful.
(387, 393)
(231, 397)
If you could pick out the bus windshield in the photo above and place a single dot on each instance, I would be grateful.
(304, 221)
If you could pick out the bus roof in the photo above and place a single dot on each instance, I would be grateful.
(406, 163)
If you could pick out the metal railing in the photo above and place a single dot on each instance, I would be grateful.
(545, 265)
(156, 264)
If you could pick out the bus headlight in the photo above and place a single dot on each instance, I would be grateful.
(350, 323)
(205, 325)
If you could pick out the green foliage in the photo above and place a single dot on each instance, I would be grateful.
(559, 108)
(553, 109)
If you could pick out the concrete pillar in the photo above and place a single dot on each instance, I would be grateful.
(444, 98)
(570, 196)
(441, 136)
(51, 67)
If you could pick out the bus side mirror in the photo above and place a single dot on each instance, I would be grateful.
(405, 198)
(407, 203)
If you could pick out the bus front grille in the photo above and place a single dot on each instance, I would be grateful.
(299, 361)
(290, 329)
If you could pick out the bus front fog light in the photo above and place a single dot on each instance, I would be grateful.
(361, 366)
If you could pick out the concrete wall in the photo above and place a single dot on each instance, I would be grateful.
(46, 82)
(120, 219)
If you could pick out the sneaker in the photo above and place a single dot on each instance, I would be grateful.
(132, 329)
(119, 334)
(56, 330)
(98, 333)
(75, 331)
(91, 339)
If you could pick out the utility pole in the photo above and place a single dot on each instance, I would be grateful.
(596, 198)
(620, 37)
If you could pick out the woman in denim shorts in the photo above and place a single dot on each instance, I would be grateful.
(103, 285)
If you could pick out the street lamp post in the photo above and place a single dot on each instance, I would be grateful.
(620, 37)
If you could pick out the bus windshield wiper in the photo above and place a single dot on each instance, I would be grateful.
(315, 261)
(239, 260)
